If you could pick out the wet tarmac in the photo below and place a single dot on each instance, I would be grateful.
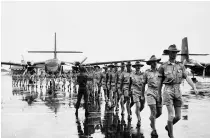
(37, 115)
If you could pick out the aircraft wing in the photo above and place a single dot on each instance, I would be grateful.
(66, 63)
(109, 62)
(38, 63)
(12, 63)
(188, 54)
(205, 64)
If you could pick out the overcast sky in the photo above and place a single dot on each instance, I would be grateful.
(104, 31)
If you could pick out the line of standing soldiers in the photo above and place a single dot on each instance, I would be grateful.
(33, 78)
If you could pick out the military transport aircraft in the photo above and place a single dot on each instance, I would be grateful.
(51, 66)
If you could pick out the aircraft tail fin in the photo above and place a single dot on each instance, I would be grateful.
(55, 50)
(184, 50)
(55, 54)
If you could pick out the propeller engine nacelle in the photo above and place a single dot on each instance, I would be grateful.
(29, 63)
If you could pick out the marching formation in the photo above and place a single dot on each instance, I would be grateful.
(125, 86)
(122, 87)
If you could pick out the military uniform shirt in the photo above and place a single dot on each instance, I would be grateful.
(172, 73)
(125, 77)
(112, 78)
(137, 83)
(118, 79)
(151, 78)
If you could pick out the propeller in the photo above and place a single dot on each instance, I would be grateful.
(204, 67)
(77, 63)
(83, 60)
(199, 64)
(29, 67)
(204, 70)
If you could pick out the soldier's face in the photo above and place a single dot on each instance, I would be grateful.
(138, 68)
(153, 64)
(172, 55)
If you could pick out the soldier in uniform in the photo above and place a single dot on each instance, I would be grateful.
(116, 95)
(74, 77)
(14, 79)
(64, 81)
(151, 79)
(24, 80)
(69, 80)
(124, 89)
(27, 79)
(97, 88)
(41, 77)
(171, 74)
(90, 84)
(32, 81)
(82, 79)
(47, 79)
(36, 77)
(118, 82)
(103, 82)
(136, 86)
(111, 85)
(51, 80)
(58, 84)
(20, 79)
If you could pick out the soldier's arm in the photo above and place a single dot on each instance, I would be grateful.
(110, 80)
(107, 78)
(121, 82)
(130, 84)
(160, 79)
(144, 82)
(101, 77)
(116, 80)
(189, 80)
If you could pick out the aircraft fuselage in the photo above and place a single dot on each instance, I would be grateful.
(52, 66)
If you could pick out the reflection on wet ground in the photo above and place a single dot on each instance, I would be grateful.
(37, 114)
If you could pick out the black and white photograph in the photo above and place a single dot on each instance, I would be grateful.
(105, 69)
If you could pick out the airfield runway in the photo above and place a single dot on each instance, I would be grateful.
(43, 118)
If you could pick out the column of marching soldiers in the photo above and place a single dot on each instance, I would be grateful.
(125, 87)
(122, 87)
